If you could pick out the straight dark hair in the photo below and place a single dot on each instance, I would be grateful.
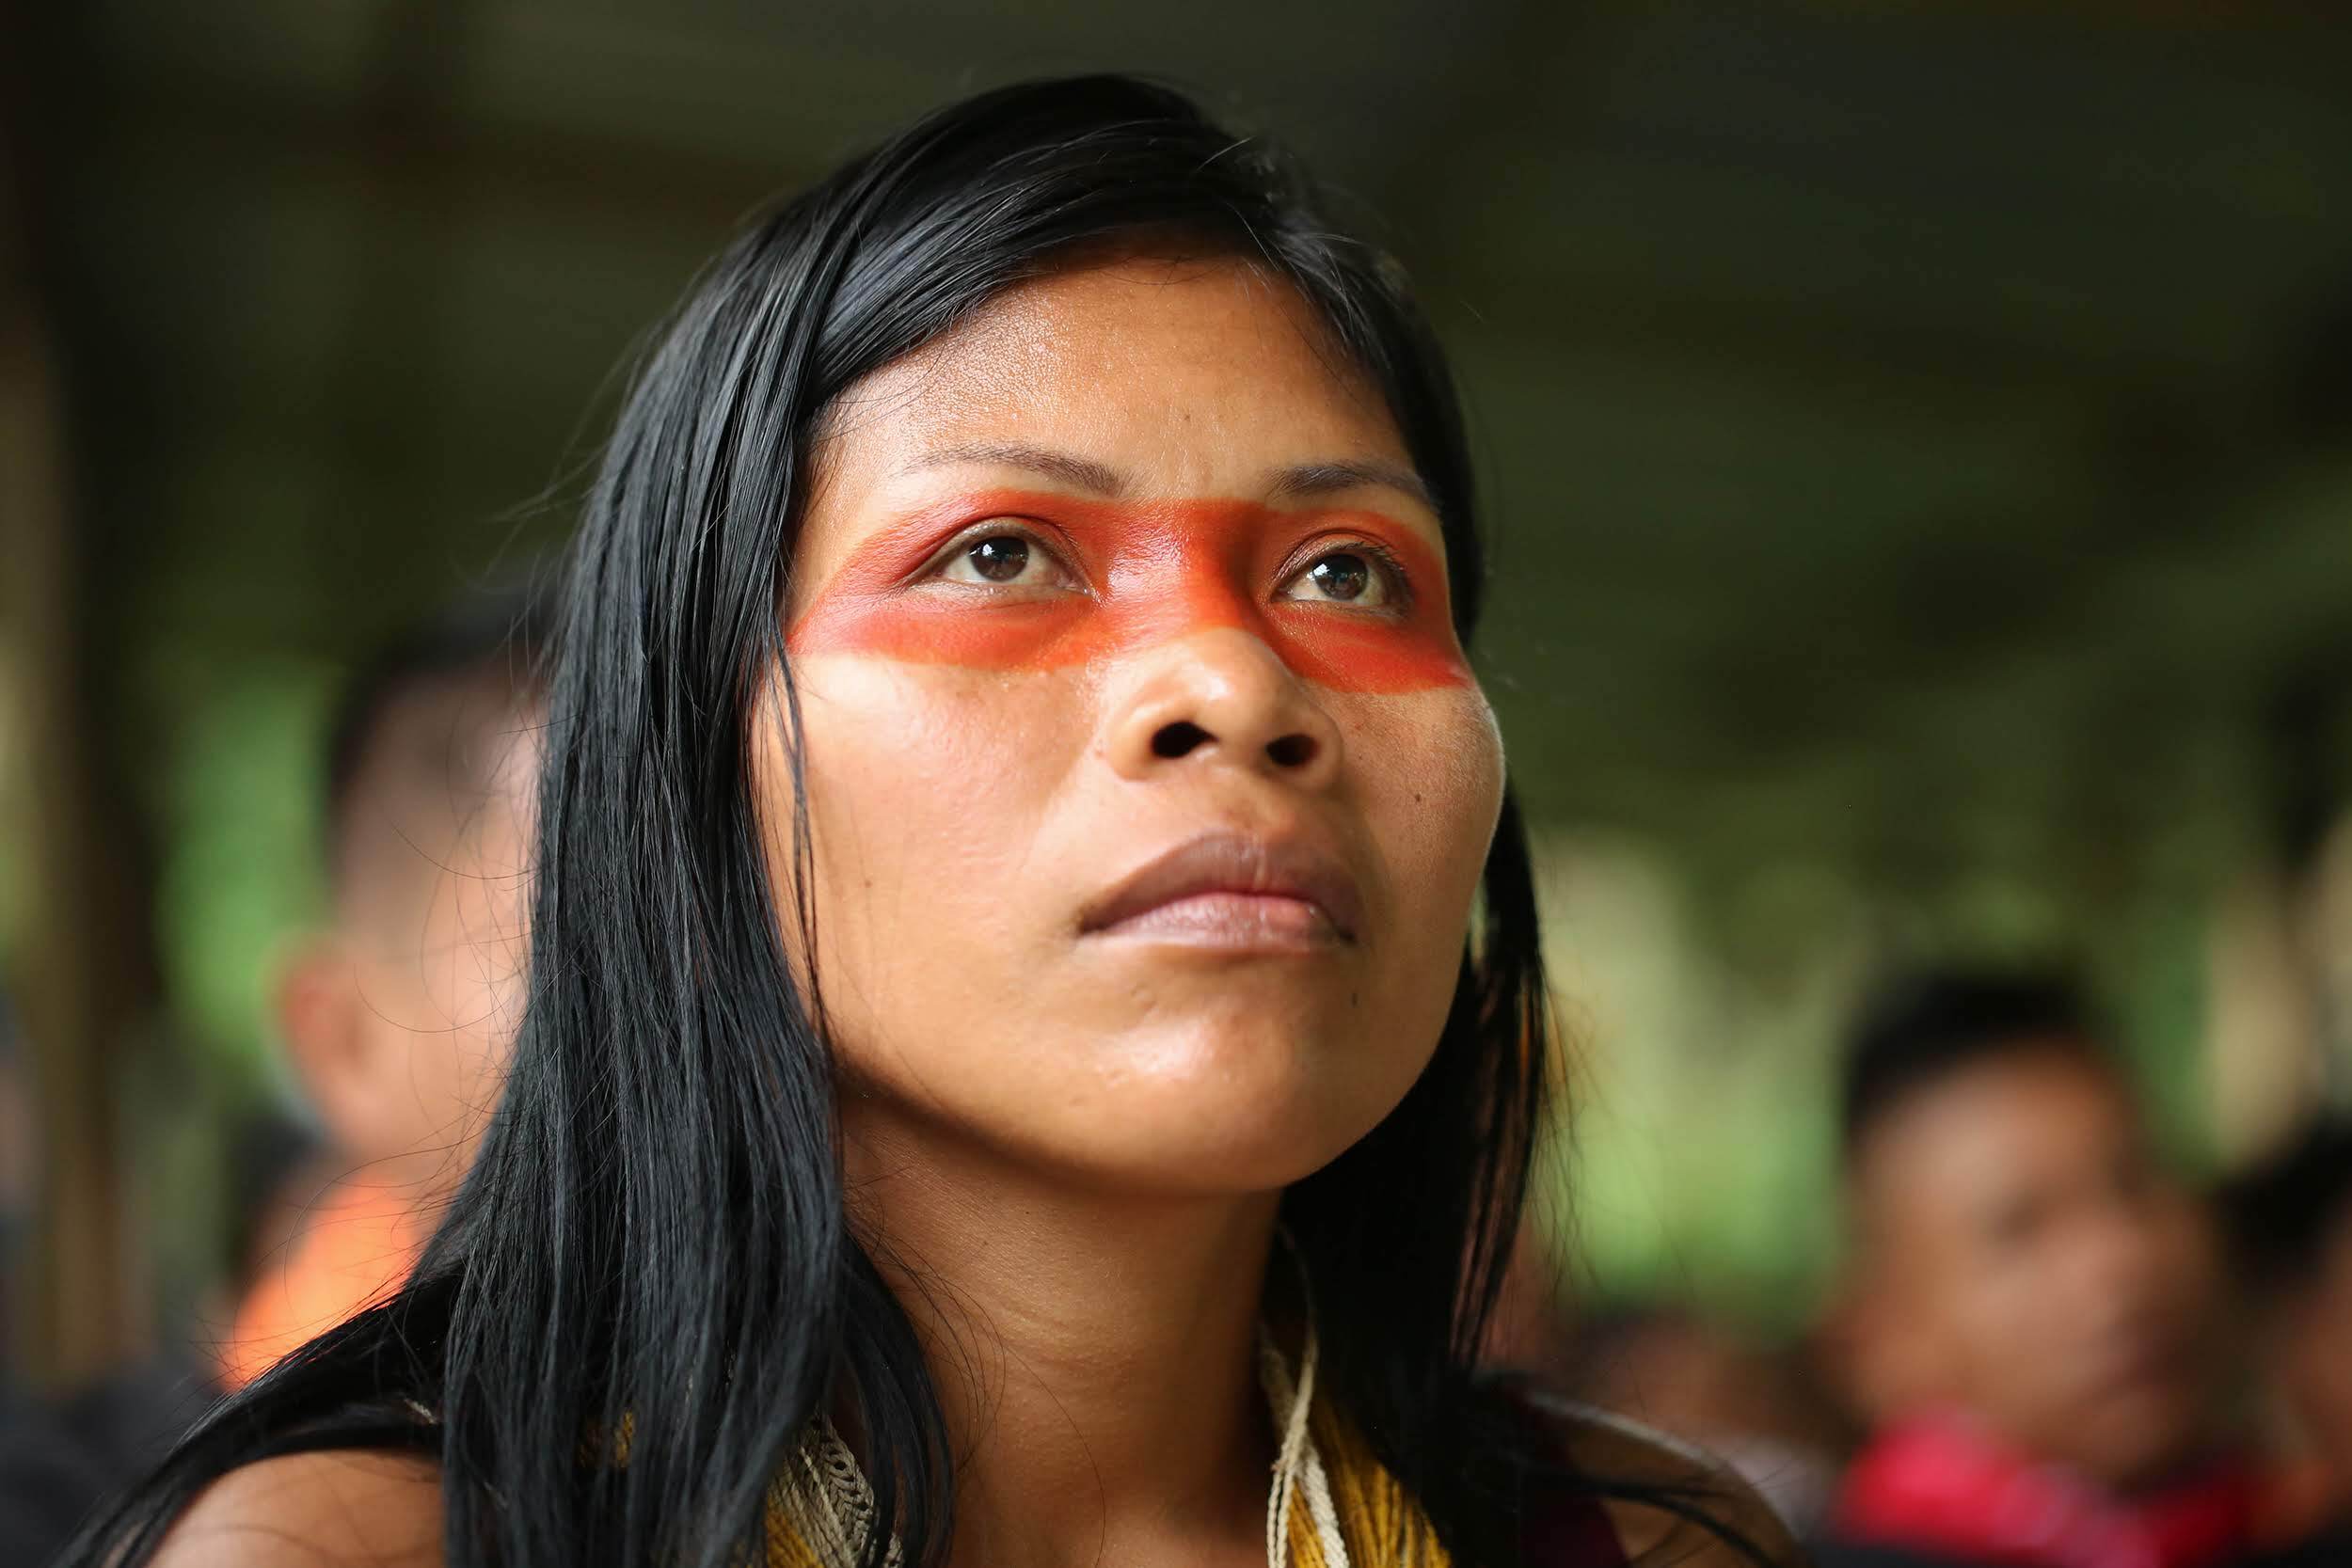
(653, 1242)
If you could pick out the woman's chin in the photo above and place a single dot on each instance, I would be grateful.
(1172, 1088)
(1189, 1164)
(1223, 1119)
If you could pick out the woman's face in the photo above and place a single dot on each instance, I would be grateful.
(1147, 785)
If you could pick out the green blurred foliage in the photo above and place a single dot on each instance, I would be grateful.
(240, 873)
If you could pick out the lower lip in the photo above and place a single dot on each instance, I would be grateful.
(1235, 922)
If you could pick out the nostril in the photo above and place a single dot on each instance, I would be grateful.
(1292, 751)
(1177, 739)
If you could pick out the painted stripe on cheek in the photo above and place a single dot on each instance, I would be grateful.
(1163, 570)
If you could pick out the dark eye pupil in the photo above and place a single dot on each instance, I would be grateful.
(1342, 577)
(1000, 560)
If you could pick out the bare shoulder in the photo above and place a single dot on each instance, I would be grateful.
(1704, 1512)
(338, 1509)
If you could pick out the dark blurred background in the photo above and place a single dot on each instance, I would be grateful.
(1919, 439)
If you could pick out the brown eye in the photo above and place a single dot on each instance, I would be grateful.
(1004, 560)
(1341, 576)
(1000, 560)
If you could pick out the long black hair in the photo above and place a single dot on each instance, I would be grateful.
(647, 1286)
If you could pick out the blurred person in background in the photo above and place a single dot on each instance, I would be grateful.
(398, 1015)
(2030, 1320)
(2289, 1223)
(1759, 1409)
(277, 1167)
(1011, 1073)
(1754, 1407)
(396, 1018)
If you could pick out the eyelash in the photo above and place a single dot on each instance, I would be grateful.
(1389, 564)
(1385, 559)
(1036, 536)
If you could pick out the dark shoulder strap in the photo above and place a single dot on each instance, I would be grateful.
(1566, 1529)
(1855, 1554)
(1625, 1495)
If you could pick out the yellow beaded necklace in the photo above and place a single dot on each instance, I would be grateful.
(1333, 1505)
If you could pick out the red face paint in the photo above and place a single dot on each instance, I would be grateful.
(1147, 572)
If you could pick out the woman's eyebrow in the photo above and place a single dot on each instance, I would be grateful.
(1305, 481)
(1297, 481)
(1082, 473)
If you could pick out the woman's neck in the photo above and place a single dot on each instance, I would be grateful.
(1095, 1354)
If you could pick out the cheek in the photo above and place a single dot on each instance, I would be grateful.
(1430, 770)
(926, 788)
(1427, 772)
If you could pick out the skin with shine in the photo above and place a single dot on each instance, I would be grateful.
(988, 760)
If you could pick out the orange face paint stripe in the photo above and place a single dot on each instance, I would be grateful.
(1154, 571)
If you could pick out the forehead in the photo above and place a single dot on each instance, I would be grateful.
(2034, 1119)
(1191, 377)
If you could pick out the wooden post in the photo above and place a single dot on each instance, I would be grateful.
(78, 971)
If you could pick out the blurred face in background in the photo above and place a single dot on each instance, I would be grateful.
(2308, 1347)
(2028, 1264)
(401, 1015)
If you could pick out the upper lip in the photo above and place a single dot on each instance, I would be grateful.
(1278, 868)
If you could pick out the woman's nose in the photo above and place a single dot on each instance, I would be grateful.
(1222, 697)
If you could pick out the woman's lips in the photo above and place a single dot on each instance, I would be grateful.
(1230, 889)
(1244, 919)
